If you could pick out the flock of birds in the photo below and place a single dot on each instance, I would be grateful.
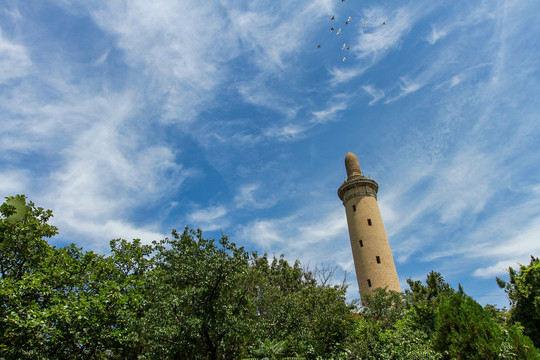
(332, 28)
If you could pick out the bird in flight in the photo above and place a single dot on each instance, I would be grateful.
(343, 47)
(384, 23)
(365, 24)
(339, 31)
(344, 58)
(332, 28)
(319, 46)
(333, 18)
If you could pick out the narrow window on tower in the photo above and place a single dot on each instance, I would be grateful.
(354, 208)
(368, 282)
(361, 243)
(369, 222)
(378, 259)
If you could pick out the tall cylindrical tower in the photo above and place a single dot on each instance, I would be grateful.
(372, 256)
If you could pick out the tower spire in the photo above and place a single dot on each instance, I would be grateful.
(352, 166)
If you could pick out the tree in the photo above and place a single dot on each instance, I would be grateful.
(63, 303)
(465, 330)
(310, 319)
(383, 306)
(516, 345)
(406, 342)
(386, 331)
(200, 293)
(523, 291)
(23, 228)
(422, 300)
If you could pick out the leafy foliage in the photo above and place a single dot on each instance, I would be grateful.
(21, 242)
(200, 293)
(523, 291)
(464, 330)
(189, 297)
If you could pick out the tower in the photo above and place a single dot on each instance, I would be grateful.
(372, 256)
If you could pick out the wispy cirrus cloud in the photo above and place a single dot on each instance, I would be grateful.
(14, 181)
(211, 218)
(407, 86)
(253, 196)
(287, 132)
(274, 32)
(376, 39)
(303, 235)
(15, 60)
(168, 42)
(471, 15)
(340, 76)
(107, 170)
(99, 168)
(376, 94)
(315, 238)
(259, 92)
(383, 31)
(323, 116)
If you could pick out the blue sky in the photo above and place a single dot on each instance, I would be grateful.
(129, 118)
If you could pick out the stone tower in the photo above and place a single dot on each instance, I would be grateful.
(372, 256)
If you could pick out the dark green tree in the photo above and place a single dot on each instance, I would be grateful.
(516, 345)
(310, 319)
(523, 291)
(465, 330)
(64, 303)
(201, 296)
(421, 301)
(383, 306)
(385, 330)
(23, 229)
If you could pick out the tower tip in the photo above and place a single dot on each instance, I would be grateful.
(352, 165)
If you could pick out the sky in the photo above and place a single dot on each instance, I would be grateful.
(131, 118)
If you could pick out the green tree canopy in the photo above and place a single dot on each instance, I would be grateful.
(523, 291)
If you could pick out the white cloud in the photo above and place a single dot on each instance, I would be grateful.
(13, 182)
(469, 175)
(257, 91)
(212, 218)
(180, 46)
(340, 75)
(103, 166)
(265, 233)
(104, 176)
(376, 94)
(287, 132)
(435, 35)
(404, 249)
(36, 120)
(491, 271)
(326, 115)
(102, 231)
(14, 60)
(407, 86)
(254, 196)
(376, 39)
(315, 234)
(311, 236)
(516, 239)
(470, 15)
(273, 33)
(102, 59)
